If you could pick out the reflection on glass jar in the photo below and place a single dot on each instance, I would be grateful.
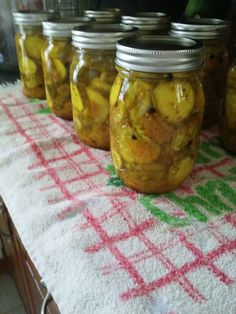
(156, 112)
(213, 78)
(228, 118)
(103, 16)
(214, 34)
(29, 41)
(56, 59)
(149, 23)
(92, 74)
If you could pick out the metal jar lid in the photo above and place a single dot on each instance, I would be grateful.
(32, 17)
(101, 36)
(159, 54)
(201, 28)
(106, 16)
(63, 27)
(147, 20)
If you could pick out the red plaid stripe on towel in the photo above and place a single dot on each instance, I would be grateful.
(103, 248)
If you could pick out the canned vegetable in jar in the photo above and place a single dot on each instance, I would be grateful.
(149, 23)
(56, 59)
(156, 110)
(214, 34)
(92, 74)
(29, 41)
(228, 118)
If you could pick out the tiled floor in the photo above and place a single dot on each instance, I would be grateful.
(10, 302)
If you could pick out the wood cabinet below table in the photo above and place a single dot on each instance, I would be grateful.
(22, 269)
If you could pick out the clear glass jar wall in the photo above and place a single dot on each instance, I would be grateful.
(228, 118)
(213, 77)
(29, 41)
(214, 34)
(56, 59)
(92, 75)
(155, 121)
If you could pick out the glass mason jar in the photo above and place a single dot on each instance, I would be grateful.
(29, 41)
(214, 34)
(156, 110)
(228, 118)
(92, 74)
(56, 59)
(149, 23)
(104, 16)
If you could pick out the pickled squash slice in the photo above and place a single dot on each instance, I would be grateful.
(27, 66)
(60, 69)
(180, 170)
(49, 99)
(115, 90)
(33, 46)
(139, 95)
(184, 134)
(33, 81)
(77, 102)
(174, 100)
(100, 85)
(230, 109)
(134, 150)
(98, 108)
(151, 127)
(116, 159)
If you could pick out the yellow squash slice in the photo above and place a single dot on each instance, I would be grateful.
(139, 95)
(98, 105)
(33, 81)
(184, 134)
(60, 69)
(33, 46)
(150, 126)
(116, 159)
(77, 102)
(27, 66)
(115, 90)
(97, 83)
(230, 107)
(179, 170)
(134, 150)
(49, 99)
(108, 77)
(174, 100)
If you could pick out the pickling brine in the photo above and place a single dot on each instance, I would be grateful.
(57, 55)
(56, 60)
(92, 74)
(228, 118)
(28, 50)
(29, 42)
(155, 119)
(214, 34)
